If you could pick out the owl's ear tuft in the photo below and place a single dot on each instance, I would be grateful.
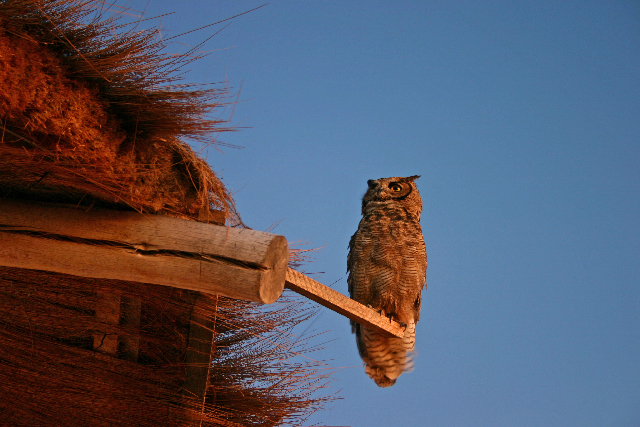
(371, 183)
(412, 178)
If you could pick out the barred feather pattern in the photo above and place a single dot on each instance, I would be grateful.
(387, 270)
(385, 357)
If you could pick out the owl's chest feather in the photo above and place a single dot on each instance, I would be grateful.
(390, 227)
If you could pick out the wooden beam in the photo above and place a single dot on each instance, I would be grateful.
(106, 244)
(342, 304)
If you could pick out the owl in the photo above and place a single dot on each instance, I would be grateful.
(387, 267)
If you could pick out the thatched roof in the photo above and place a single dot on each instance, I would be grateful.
(86, 114)
(50, 375)
(91, 113)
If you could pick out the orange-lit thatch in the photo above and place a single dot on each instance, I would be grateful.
(86, 112)
(90, 113)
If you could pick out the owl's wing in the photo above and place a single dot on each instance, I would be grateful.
(415, 255)
(373, 264)
(358, 280)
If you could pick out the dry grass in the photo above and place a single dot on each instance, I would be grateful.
(90, 109)
(50, 375)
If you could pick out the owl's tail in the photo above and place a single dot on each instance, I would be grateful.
(385, 357)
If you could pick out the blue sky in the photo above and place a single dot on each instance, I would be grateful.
(523, 119)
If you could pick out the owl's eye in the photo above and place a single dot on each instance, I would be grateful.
(395, 187)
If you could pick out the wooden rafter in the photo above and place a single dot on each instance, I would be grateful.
(342, 304)
(106, 244)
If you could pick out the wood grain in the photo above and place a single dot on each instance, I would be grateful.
(108, 313)
(237, 263)
(342, 304)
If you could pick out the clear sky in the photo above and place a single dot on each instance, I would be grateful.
(523, 119)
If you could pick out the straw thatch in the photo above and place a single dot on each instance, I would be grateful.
(49, 374)
(86, 114)
(90, 113)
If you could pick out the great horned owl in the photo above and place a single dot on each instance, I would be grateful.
(387, 266)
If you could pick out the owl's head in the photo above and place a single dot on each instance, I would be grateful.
(396, 189)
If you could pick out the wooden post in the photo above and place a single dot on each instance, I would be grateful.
(131, 310)
(106, 244)
(114, 309)
(342, 304)
(108, 313)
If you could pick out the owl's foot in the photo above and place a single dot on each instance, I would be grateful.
(403, 325)
(389, 316)
(383, 313)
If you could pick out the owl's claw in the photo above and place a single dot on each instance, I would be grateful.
(389, 316)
